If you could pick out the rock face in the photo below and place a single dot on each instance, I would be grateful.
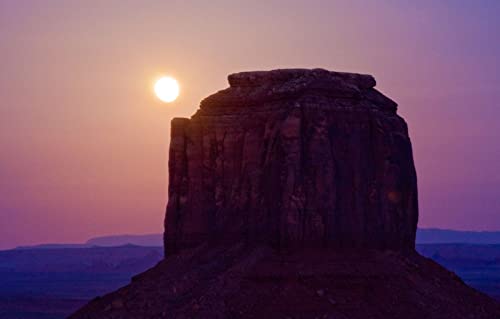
(293, 194)
(293, 157)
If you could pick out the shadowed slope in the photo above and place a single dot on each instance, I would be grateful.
(238, 282)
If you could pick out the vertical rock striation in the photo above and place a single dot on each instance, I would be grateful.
(293, 157)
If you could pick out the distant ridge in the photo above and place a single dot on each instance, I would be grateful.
(424, 236)
(53, 246)
(448, 236)
(147, 240)
(118, 240)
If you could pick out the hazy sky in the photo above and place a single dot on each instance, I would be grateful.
(84, 141)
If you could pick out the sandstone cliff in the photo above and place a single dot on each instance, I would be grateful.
(293, 157)
(293, 194)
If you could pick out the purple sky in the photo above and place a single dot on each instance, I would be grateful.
(84, 141)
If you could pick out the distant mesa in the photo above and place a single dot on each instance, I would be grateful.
(448, 236)
(293, 194)
(150, 240)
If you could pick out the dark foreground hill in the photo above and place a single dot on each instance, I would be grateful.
(293, 194)
(52, 284)
(239, 282)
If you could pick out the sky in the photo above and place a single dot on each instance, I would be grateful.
(84, 141)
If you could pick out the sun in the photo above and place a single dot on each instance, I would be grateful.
(167, 89)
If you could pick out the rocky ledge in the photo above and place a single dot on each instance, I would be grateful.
(256, 89)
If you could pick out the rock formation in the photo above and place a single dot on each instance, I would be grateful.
(292, 194)
(293, 157)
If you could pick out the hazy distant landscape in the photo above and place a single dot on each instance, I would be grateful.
(51, 281)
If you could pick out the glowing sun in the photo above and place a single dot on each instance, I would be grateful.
(167, 89)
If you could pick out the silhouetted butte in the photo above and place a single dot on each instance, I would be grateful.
(293, 194)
